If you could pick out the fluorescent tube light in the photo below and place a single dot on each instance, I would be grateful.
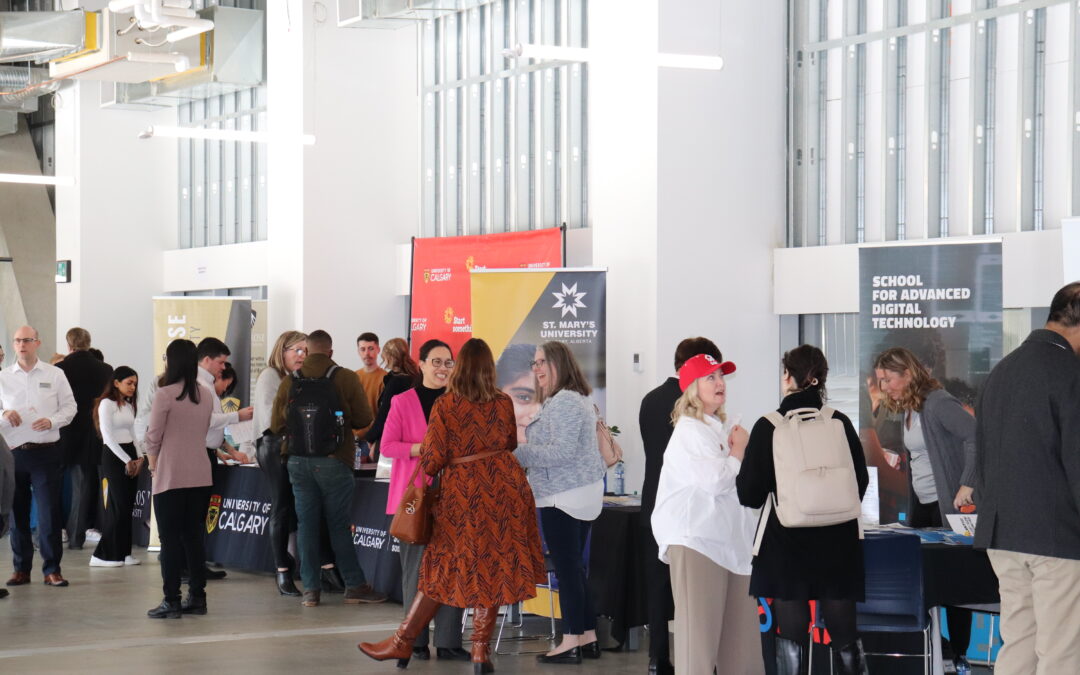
(199, 133)
(36, 180)
(583, 55)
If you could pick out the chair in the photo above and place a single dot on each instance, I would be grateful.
(894, 592)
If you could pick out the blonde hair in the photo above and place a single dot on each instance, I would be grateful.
(691, 405)
(897, 360)
(277, 354)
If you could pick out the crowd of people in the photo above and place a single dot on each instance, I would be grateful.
(514, 448)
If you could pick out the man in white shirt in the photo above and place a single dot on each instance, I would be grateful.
(213, 354)
(36, 401)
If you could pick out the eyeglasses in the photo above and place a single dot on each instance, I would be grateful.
(538, 363)
(300, 351)
(439, 363)
(25, 341)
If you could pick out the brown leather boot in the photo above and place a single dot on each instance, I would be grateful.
(483, 626)
(399, 645)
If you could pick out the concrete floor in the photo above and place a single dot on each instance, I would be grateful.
(98, 625)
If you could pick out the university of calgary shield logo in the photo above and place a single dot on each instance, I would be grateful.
(212, 513)
(427, 276)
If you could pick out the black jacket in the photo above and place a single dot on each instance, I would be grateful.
(654, 420)
(87, 377)
(393, 384)
(1027, 458)
(801, 563)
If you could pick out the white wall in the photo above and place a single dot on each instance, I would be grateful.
(722, 181)
(338, 209)
(113, 224)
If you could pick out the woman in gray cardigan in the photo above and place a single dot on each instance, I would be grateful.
(566, 474)
(939, 439)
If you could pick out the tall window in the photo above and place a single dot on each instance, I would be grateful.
(503, 140)
(222, 184)
(917, 119)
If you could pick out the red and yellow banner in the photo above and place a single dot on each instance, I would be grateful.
(441, 302)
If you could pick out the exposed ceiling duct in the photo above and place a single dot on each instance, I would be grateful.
(20, 86)
(40, 36)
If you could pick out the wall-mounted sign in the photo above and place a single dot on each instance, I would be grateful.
(63, 271)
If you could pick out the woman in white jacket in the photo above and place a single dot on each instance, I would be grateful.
(704, 533)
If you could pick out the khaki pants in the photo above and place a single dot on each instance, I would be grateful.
(1040, 613)
(716, 620)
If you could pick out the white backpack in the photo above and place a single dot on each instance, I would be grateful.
(815, 477)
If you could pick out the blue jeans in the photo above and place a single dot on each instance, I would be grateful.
(566, 537)
(323, 487)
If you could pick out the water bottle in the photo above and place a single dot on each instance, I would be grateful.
(620, 478)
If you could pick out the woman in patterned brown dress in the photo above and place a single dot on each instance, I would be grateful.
(485, 548)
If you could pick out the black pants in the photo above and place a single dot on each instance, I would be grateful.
(958, 618)
(85, 492)
(282, 504)
(40, 467)
(119, 500)
(565, 537)
(658, 596)
(181, 521)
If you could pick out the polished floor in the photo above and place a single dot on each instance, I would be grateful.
(98, 625)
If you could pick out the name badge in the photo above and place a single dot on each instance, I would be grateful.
(45, 385)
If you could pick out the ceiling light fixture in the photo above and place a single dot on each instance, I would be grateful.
(198, 133)
(36, 180)
(583, 55)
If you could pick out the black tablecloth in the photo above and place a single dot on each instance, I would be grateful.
(617, 570)
(957, 575)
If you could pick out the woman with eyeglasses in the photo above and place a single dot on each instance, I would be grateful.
(566, 473)
(406, 425)
(401, 374)
(286, 357)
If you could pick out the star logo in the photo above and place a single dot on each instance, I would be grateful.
(569, 301)
(470, 263)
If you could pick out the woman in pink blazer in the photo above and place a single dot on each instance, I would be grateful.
(406, 425)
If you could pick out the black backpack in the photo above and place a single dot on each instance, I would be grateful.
(314, 423)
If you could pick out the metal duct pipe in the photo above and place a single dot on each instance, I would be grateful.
(40, 36)
(15, 79)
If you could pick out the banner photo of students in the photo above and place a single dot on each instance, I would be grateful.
(259, 346)
(516, 310)
(191, 317)
(943, 303)
(441, 305)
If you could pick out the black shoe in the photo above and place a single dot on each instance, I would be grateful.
(658, 667)
(194, 604)
(168, 609)
(4, 592)
(452, 654)
(215, 574)
(402, 664)
(421, 653)
(569, 656)
(591, 650)
(286, 585)
(331, 580)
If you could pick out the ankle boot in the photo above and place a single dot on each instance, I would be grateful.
(483, 626)
(399, 645)
(850, 659)
(790, 657)
(286, 585)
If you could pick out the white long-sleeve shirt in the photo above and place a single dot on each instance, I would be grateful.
(117, 425)
(215, 437)
(45, 389)
(696, 502)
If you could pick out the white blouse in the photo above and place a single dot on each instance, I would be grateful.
(583, 503)
(117, 426)
(696, 502)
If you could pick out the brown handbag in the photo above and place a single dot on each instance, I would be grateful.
(414, 520)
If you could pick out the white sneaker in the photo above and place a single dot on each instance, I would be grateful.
(93, 535)
(98, 562)
(129, 560)
(63, 536)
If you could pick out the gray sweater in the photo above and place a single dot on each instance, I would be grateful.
(950, 442)
(561, 452)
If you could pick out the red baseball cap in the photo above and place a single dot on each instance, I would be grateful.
(700, 366)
